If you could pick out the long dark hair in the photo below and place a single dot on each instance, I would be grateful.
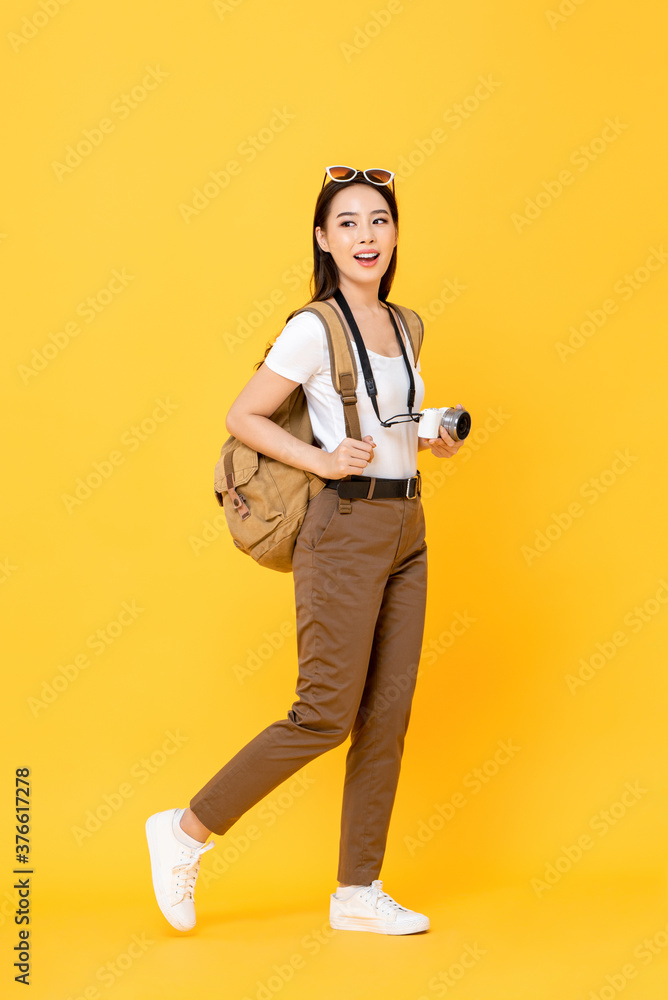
(325, 278)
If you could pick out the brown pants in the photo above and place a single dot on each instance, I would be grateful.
(360, 589)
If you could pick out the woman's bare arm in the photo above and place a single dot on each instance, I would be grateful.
(248, 420)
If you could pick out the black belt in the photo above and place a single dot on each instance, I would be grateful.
(368, 488)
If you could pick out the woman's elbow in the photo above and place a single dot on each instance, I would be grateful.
(236, 421)
(231, 422)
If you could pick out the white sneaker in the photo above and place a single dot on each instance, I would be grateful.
(174, 868)
(371, 909)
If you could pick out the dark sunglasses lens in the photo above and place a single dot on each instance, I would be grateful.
(341, 173)
(379, 176)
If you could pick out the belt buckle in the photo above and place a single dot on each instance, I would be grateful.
(418, 486)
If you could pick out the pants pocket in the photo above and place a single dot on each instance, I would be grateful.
(320, 516)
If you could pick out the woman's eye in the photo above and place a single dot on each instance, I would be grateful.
(350, 221)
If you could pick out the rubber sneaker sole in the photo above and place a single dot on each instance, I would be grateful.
(343, 923)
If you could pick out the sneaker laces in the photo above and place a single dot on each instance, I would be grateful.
(380, 900)
(186, 871)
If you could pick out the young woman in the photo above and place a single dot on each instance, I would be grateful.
(360, 576)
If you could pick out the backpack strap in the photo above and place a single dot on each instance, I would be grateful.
(344, 373)
(342, 361)
(230, 486)
(413, 326)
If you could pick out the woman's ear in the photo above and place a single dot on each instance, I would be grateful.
(322, 241)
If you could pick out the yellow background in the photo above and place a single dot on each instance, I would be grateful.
(548, 431)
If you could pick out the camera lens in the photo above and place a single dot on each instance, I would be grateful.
(457, 423)
(463, 424)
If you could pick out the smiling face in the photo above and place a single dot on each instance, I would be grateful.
(359, 222)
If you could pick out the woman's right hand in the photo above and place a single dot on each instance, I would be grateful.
(350, 458)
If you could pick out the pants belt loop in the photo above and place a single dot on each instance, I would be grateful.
(345, 506)
(372, 486)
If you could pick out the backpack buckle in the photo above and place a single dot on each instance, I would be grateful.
(238, 499)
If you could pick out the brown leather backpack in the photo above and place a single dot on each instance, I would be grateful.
(264, 518)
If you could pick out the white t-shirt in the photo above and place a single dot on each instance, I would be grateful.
(300, 353)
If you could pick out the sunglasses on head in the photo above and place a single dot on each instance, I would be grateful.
(343, 174)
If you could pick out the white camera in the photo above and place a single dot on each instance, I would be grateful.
(456, 420)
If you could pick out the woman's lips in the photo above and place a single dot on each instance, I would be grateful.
(369, 261)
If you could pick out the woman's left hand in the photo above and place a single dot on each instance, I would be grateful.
(444, 446)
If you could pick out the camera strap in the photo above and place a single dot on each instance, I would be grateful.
(369, 380)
